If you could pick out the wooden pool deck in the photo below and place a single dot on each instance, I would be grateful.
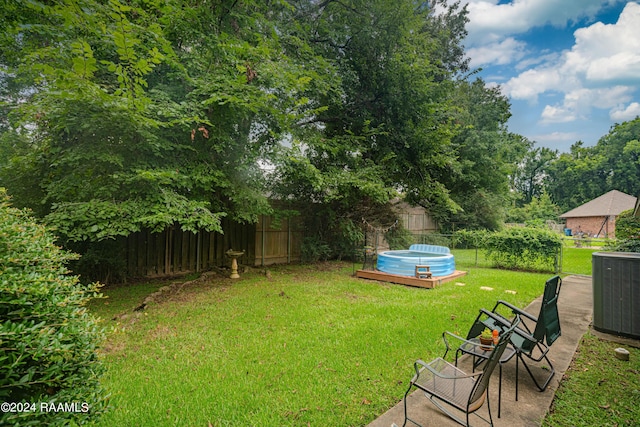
(409, 280)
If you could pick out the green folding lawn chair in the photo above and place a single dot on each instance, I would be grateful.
(531, 344)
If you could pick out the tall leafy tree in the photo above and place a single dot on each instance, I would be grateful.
(620, 151)
(486, 154)
(147, 114)
(529, 178)
(588, 172)
(575, 177)
(388, 127)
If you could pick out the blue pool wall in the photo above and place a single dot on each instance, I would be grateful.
(438, 258)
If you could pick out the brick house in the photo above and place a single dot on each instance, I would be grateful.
(597, 218)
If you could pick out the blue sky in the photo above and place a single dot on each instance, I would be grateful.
(571, 68)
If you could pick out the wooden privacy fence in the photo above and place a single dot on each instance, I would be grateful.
(278, 242)
(174, 251)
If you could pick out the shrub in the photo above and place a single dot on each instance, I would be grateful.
(469, 239)
(434, 239)
(399, 238)
(524, 248)
(314, 250)
(627, 233)
(48, 340)
(346, 238)
(627, 226)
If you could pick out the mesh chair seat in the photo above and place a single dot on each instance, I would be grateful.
(445, 384)
(452, 384)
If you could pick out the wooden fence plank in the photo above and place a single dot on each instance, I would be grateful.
(174, 251)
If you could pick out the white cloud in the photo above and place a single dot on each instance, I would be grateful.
(556, 137)
(602, 70)
(531, 83)
(621, 114)
(545, 58)
(500, 53)
(578, 103)
(490, 22)
(552, 114)
(608, 53)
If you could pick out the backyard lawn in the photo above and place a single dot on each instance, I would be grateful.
(313, 345)
(308, 345)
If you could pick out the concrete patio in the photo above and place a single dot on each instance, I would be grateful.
(575, 306)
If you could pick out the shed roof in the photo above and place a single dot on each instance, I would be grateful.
(609, 204)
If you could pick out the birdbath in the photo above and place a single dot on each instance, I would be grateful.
(234, 255)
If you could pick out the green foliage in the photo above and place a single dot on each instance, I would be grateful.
(48, 339)
(627, 226)
(399, 238)
(434, 239)
(314, 249)
(627, 232)
(537, 211)
(528, 179)
(348, 238)
(486, 157)
(100, 261)
(146, 114)
(588, 172)
(398, 116)
(576, 177)
(524, 248)
(630, 245)
(469, 239)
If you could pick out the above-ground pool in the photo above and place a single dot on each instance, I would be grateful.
(438, 258)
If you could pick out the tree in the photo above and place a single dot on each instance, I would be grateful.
(124, 116)
(588, 172)
(620, 151)
(388, 128)
(147, 115)
(536, 212)
(486, 155)
(529, 178)
(575, 177)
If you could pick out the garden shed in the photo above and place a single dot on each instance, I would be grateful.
(597, 218)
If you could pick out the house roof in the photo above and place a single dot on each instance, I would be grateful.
(609, 204)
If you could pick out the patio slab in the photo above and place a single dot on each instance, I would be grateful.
(575, 306)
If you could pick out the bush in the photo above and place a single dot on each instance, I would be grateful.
(434, 239)
(469, 239)
(627, 226)
(399, 238)
(48, 340)
(524, 248)
(314, 250)
(627, 233)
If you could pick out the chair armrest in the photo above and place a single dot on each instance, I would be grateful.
(515, 310)
(461, 342)
(503, 322)
(420, 365)
(506, 323)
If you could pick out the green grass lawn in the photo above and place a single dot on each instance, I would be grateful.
(313, 345)
(577, 260)
(598, 389)
(310, 345)
(574, 260)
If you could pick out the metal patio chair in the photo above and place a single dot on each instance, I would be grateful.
(448, 387)
(479, 353)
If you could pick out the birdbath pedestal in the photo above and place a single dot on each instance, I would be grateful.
(234, 255)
